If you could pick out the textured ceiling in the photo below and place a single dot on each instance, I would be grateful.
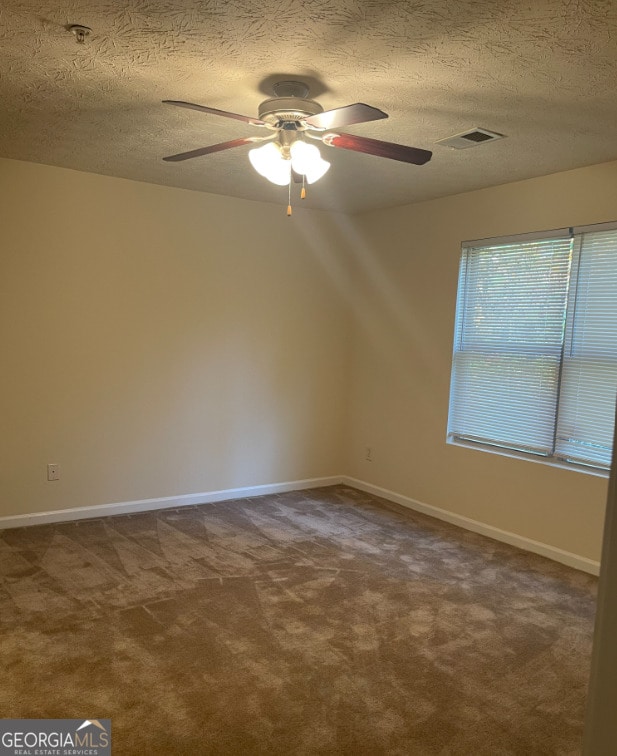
(542, 72)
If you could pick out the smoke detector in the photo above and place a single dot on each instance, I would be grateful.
(471, 138)
(80, 31)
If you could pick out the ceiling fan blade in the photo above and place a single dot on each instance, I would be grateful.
(376, 147)
(345, 116)
(213, 148)
(214, 111)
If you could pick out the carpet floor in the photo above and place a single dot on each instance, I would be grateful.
(309, 623)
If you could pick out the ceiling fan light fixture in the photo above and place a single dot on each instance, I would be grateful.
(307, 161)
(269, 163)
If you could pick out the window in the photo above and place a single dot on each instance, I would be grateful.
(534, 369)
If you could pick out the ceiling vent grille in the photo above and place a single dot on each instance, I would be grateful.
(471, 138)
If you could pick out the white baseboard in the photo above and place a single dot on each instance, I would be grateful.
(170, 502)
(527, 544)
(166, 502)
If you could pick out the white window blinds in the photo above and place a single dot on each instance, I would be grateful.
(535, 355)
(589, 373)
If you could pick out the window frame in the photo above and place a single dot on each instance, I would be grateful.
(551, 458)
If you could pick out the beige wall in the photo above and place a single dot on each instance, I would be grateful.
(158, 342)
(405, 286)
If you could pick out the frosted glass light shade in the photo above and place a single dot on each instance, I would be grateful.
(269, 162)
(306, 160)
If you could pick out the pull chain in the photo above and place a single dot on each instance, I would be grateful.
(289, 197)
(303, 192)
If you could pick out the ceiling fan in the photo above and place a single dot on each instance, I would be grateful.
(293, 119)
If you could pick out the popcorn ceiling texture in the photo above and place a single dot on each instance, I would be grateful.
(544, 73)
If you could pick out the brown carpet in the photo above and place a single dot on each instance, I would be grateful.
(315, 622)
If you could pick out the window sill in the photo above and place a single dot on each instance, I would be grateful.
(548, 461)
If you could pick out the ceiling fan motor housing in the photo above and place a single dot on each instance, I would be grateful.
(288, 110)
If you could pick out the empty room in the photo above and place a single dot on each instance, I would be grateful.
(309, 364)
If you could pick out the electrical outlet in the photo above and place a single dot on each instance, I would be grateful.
(368, 454)
(53, 472)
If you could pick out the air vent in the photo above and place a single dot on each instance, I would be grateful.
(471, 138)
